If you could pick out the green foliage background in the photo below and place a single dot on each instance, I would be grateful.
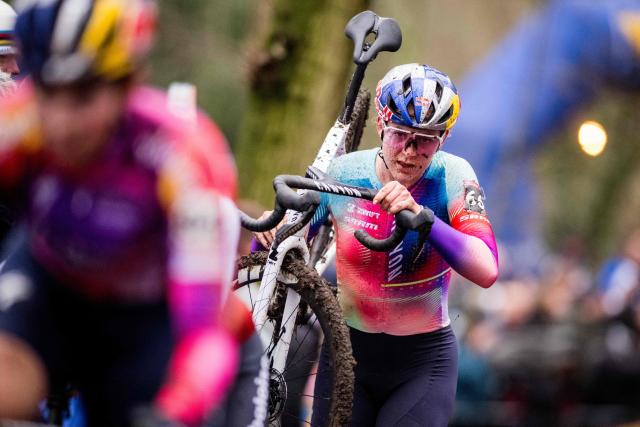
(207, 43)
(204, 42)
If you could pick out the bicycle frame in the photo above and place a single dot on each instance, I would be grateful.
(388, 38)
(332, 147)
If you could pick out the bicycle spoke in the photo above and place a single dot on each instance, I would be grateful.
(250, 298)
(315, 397)
(311, 374)
(293, 356)
(302, 359)
(272, 345)
(284, 322)
(296, 417)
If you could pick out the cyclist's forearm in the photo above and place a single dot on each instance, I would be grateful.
(194, 384)
(256, 246)
(469, 255)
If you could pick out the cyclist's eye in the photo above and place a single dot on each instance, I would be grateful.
(426, 139)
(399, 134)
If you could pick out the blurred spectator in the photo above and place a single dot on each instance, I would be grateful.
(619, 277)
(530, 356)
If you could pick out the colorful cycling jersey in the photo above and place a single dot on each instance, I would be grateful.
(386, 292)
(152, 218)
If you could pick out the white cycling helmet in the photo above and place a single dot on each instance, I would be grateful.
(7, 22)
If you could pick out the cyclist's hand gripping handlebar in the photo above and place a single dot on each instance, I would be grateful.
(287, 197)
(405, 220)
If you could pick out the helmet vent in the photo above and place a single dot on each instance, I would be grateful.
(392, 105)
(430, 112)
(438, 91)
(411, 109)
(406, 85)
(446, 115)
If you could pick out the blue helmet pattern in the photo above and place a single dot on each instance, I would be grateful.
(418, 96)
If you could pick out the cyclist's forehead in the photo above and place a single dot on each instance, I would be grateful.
(80, 90)
(412, 129)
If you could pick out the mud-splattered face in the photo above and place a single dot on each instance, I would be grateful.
(408, 152)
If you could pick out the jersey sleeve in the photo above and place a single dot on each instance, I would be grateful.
(466, 205)
(467, 243)
(203, 233)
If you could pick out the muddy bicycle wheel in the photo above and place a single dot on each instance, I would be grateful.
(319, 309)
(358, 121)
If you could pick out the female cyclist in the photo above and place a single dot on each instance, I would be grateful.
(396, 303)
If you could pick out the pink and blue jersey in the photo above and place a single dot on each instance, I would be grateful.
(386, 292)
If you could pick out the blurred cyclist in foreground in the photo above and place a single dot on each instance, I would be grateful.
(129, 233)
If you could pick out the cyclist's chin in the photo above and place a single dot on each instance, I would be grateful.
(73, 153)
(407, 173)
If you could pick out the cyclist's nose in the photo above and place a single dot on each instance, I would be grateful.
(410, 146)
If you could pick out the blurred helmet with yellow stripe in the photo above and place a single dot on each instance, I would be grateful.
(70, 41)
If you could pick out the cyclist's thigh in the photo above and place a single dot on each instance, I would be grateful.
(120, 356)
(247, 402)
(427, 399)
(364, 409)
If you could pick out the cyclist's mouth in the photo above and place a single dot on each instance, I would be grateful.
(404, 165)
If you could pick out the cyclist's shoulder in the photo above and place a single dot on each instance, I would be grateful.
(451, 166)
(149, 105)
(186, 153)
(18, 118)
(355, 164)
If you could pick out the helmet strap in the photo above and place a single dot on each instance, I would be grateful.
(382, 157)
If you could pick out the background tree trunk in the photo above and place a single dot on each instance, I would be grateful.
(298, 72)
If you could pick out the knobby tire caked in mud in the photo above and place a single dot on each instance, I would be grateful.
(358, 121)
(317, 293)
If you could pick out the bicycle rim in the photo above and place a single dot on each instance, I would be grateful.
(290, 387)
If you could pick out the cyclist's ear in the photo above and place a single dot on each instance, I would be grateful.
(379, 126)
(445, 135)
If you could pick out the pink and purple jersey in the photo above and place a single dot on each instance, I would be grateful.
(152, 218)
(386, 292)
